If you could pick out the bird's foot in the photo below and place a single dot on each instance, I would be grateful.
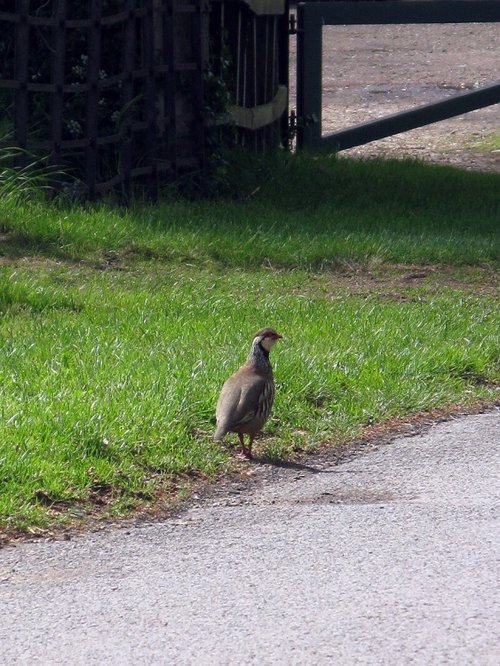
(245, 454)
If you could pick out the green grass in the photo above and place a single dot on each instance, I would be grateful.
(488, 144)
(28, 181)
(303, 213)
(109, 378)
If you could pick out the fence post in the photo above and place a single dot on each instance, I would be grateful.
(127, 97)
(309, 68)
(21, 75)
(58, 61)
(94, 58)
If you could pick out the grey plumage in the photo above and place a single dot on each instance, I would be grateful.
(247, 397)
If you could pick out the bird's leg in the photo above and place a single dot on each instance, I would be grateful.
(246, 452)
(249, 449)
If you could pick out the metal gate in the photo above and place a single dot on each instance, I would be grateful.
(312, 16)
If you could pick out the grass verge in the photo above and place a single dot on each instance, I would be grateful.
(112, 362)
(288, 213)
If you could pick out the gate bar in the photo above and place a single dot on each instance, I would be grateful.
(403, 121)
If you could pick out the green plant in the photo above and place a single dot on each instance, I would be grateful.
(29, 180)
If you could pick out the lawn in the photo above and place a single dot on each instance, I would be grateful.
(118, 327)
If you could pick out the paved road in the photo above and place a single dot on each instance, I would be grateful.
(389, 558)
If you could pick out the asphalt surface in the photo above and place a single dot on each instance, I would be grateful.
(388, 558)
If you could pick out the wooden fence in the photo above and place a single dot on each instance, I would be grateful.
(113, 96)
(115, 91)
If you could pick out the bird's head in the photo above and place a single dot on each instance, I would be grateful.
(266, 338)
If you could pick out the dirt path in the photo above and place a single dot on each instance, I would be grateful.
(373, 71)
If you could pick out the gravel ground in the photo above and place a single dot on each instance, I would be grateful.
(390, 557)
(373, 71)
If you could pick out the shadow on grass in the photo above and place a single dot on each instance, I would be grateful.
(307, 183)
(33, 250)
(285, 211)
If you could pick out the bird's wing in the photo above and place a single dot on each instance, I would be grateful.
(239, 399)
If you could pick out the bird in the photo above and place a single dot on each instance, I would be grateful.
(246, 398)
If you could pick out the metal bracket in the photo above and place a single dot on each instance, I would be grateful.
(292, 25)
(302, 121)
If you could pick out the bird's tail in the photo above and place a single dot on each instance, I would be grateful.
(220, 431)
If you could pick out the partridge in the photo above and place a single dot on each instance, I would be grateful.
(247, 396)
